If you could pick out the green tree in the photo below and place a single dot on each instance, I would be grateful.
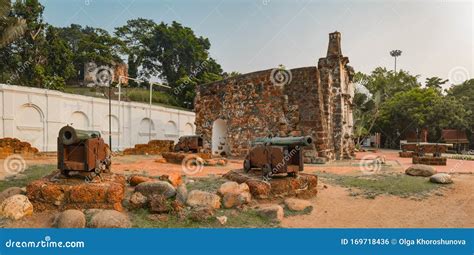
(182, 59)
(11, 28)
(420, 108)
(464, 92)
(90, 44)
(28, 52)
(59, 56)
(435, 82)
(134, 36)
(388, 83)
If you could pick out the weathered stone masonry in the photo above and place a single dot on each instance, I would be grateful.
(317, 101)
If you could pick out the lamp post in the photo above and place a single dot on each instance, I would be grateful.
(151, 96)
(395, 54)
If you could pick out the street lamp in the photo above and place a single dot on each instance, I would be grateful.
(151, 97)
(395, 54)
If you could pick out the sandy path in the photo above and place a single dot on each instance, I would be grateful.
(334, 208)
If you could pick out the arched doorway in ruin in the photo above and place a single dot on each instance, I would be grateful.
(220, 145)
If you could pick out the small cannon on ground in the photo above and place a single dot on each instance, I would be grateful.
(276, 155)
(189, 143)
(82, 151)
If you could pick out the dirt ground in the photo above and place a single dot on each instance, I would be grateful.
(334, 207)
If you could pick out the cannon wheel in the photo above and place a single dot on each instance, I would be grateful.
(186, 149)
(247, 165)
(267, 170)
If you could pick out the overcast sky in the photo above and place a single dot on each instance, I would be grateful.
(436, 36)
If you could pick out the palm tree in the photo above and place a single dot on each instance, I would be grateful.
(11, 28)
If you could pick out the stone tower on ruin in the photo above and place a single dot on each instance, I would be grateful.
(315, 101)
(336, 81)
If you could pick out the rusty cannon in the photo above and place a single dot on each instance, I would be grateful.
(189, 143)
(82, 152)
(275, 155)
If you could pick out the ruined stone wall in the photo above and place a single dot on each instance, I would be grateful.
(315, 101)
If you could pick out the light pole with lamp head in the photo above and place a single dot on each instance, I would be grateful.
(151, 96)
(395, 54)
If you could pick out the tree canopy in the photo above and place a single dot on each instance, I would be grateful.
(396, 103)
(51, 57)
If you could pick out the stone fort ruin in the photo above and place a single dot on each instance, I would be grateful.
(314, 100)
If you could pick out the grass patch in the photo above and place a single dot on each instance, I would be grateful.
(289, 212)
(141, 95)
(209, 184)
(370, 186)
(32, 173)
(246, 219)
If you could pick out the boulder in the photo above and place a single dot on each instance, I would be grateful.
(295, 204)
(149, 189)
(137, 179)
(110, 219)
(232, 187)
(71, 219)
(234, 194)
(10, 192)
(441, 178)
(16, 207)
(182, 193)
(420, 170)
(159, 204)
(138, 200)
(198, 198)
(231, 200)
(91, 212)
(174, 179)
(201, 213)
(271, 212)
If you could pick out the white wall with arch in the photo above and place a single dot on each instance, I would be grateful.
(36, 115)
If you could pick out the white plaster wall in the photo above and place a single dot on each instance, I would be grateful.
(36, 115)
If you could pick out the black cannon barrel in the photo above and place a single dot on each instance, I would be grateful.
(69, 135)
(296, 140)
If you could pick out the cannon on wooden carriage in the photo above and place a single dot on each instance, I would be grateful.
(83, 152)
(189, 143)
(275, 155)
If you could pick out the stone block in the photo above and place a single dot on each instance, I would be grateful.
(55, 192)
(303, 186)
